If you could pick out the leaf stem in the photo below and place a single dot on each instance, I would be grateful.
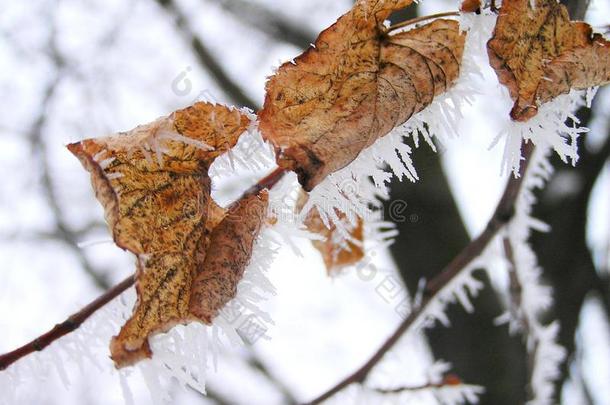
(422, 18)
(75, 320)
(503, 213)
(430, 385)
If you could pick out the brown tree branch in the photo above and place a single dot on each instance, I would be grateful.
(449, 381)
(503, 213)
(73, 322)
(76, 320)
(431, 233)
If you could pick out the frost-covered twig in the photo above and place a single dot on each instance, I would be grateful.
(76, 320)
(73, 322)
(449, 393)
(504, 212)
(514, 286)
(445, 388)
(398, 390)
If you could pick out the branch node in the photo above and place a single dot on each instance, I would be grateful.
(38, 345)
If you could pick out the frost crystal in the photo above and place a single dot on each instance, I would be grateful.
(250, 154)
(459, 289)
(547, 129)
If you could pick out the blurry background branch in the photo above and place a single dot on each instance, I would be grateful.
(237, 95)
(269, 22)
(62, 232)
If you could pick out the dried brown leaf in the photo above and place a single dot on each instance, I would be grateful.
(470, 6)
(354, 86)
(337, 251)
(229, 252)
(579, 68)
(155, 190)
(538, 54)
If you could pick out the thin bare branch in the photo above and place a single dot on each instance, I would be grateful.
(422, 18)
(503, 213)
(449, 381)
(69, 325)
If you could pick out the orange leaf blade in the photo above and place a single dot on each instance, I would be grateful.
(354, 86)
(155, 190)
(534, 52)
(230, 250)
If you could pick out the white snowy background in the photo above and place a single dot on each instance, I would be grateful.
(124, 64)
